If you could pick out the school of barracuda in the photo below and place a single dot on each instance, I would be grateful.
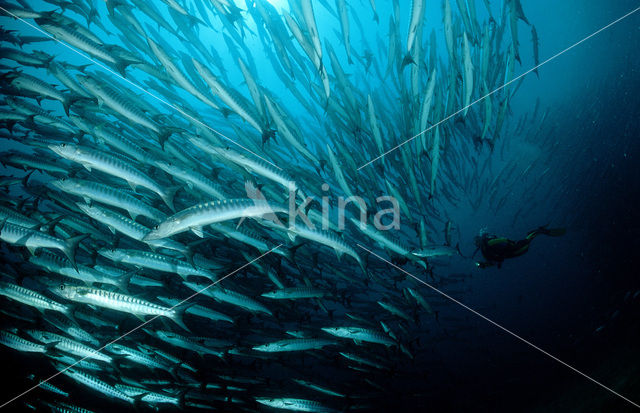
(135, 181)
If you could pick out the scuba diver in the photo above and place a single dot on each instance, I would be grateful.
(496, 249)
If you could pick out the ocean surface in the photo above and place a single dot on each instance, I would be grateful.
(216, 265)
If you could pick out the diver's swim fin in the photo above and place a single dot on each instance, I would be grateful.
(556, 232)
(552, 232)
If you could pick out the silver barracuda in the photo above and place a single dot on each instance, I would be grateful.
(201, 215)
(112, 165)
(33, 240)
(93, 191)
(359, 334)
(294, 344)
(119, 302)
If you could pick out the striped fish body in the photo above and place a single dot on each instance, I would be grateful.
(198, 216)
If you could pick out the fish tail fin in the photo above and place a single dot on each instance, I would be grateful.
(71, 247)
(169, 195)
(164, 134)
(408, 59)
(25, 179)
(125, 279)
(137, 400)
(181, 398)
(363, 267)
(66, 104)
(291, 252)
(121, 66)
(50, 226)
(179, 315)
(70, 100)
(459, 252)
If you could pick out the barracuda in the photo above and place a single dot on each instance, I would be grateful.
(159, 262)
(318, 388)
(415, 22)
(40, 115)
(67, 345)
(394, 310)
(231, 297)
(300, 405)
(96, 384)
(242, 235)
(120, 223)
(138, 357)
(294, 293)
(30, 162)
(112, 165)
(14, 217)
(18, 343)
(193, 179)
(198, 216)
(124, 144)
(251, 164)
(199, 311)
(49, 387)
(226, 95)
(120, 302)
(33, 240)
(325, 238)
(109, 97)
(93, 191)
(71, 328)
(185, 342)
(362, 360)
(430, 251)
(148, 396)
(359, 334)
(79, 40)
(28, 83)
(295, 344)
(176, 74)
(32, 298)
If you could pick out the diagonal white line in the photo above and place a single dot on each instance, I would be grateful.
(498, 325)
(501, 87)
(140, 326)
(108, 69)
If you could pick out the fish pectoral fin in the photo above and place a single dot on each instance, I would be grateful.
(132, 185)
(198, 231)
(87, 166)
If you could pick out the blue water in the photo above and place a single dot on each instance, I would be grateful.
(573, 297)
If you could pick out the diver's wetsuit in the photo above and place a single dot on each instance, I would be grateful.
(497, 249)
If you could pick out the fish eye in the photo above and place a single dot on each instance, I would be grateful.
(63, 145)
(61, 287)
